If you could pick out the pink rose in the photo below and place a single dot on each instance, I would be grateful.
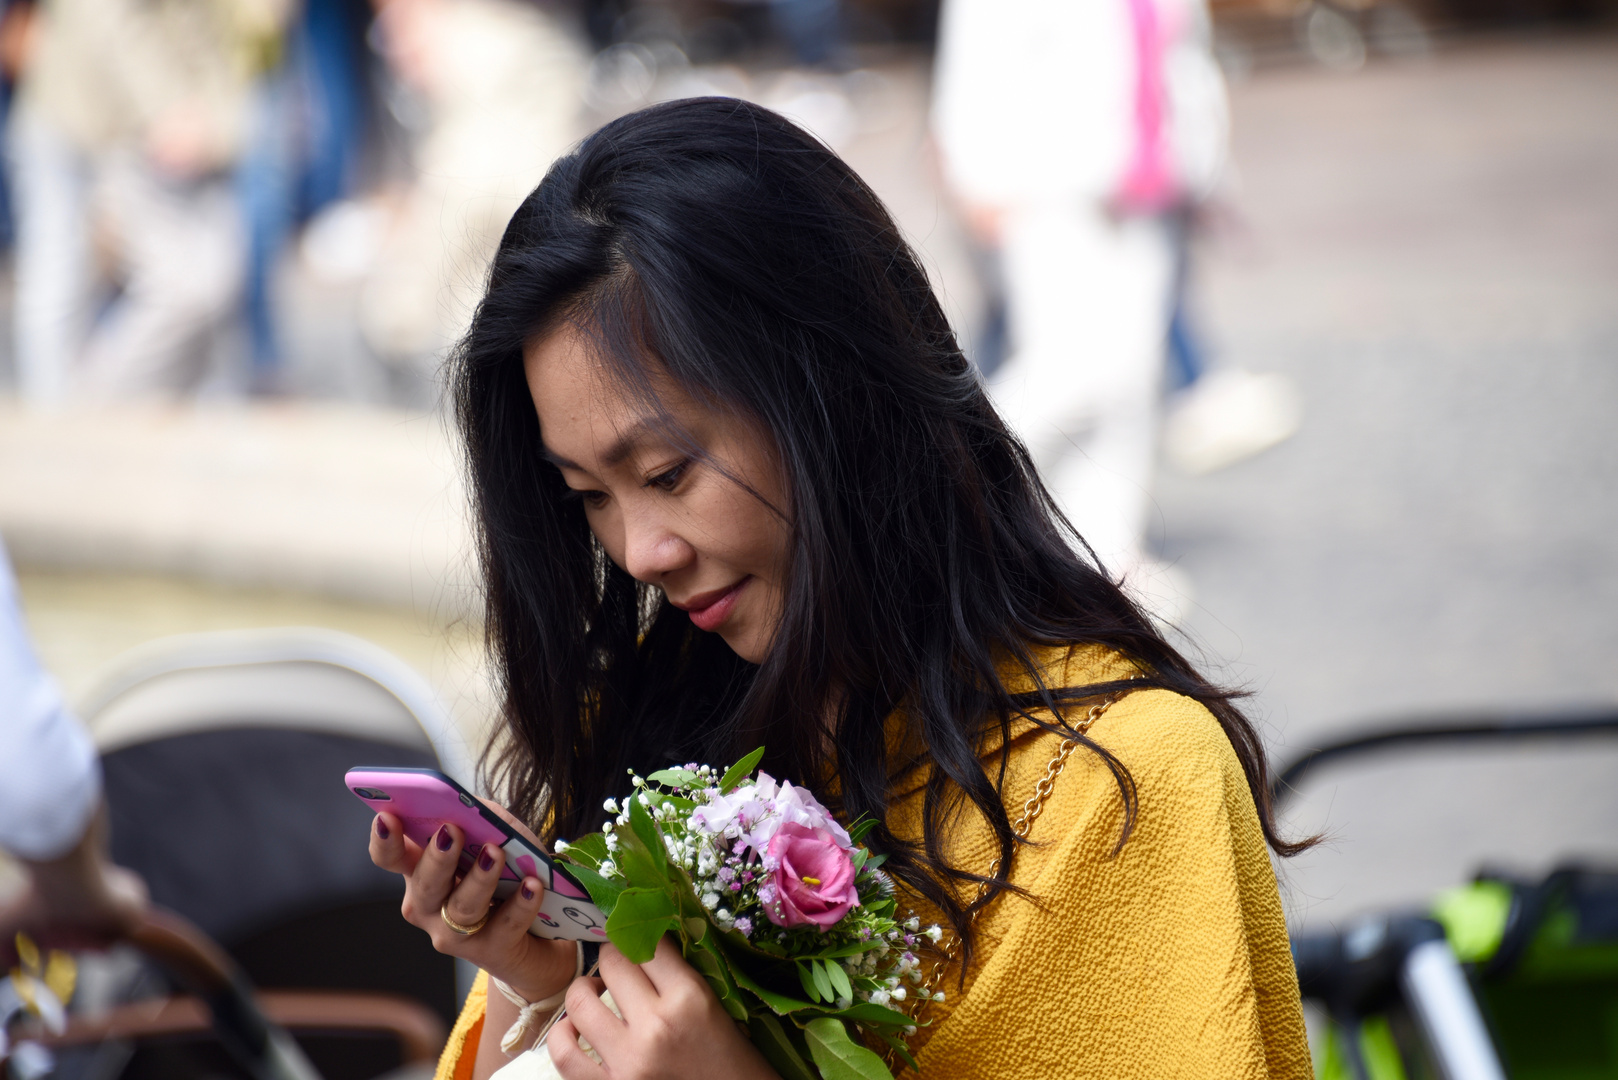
(813, 878)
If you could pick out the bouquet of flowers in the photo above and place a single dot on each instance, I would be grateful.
(789, 919)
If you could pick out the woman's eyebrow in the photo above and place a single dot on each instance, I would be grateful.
(559, 461)
(625, 444)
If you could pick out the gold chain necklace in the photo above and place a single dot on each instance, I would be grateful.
(950, 947)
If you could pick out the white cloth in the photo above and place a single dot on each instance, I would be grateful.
(50, 777)
(50, 183)
(1036, 98)
(1088, 302)
(1036, 115)
(536, 1064)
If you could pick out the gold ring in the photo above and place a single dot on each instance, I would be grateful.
(465, 931)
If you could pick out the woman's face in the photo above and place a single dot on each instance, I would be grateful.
(681, 523)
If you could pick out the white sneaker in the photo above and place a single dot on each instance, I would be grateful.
(1229, 415)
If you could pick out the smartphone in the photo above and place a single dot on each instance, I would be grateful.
(425, 799)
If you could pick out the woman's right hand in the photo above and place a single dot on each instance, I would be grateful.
(534, 967)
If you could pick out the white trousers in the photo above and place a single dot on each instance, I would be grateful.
(50, 187)
(180, 253)
(1088, 304)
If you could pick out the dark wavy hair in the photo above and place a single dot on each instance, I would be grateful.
(716, 241)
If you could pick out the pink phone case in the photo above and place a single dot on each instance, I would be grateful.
(425, 799)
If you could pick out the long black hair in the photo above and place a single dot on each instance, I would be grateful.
(716, 240)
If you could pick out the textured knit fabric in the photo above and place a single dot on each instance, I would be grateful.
(455, 1063)
(1167, 959)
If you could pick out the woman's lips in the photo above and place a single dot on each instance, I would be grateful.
(709, 611)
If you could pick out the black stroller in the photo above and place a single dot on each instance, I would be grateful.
(1508, 974)
(223, 757)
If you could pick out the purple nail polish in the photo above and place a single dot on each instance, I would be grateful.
(485, 860)
(381, 829)
(527, 893)
(445, 840)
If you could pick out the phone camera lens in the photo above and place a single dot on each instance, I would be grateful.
(372, 793)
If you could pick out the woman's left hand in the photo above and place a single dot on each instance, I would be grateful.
(673, 1026)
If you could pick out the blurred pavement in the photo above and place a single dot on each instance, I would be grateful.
(358, 504)
(1431, 252)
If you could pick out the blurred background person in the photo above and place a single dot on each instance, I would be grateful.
(1073, 133)
(129, 115)
(494, 90)
(307, 136)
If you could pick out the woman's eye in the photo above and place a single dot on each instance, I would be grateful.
(593, 499)
(669, 479)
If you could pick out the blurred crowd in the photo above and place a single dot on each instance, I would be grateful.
(166, 159)
(161, 156)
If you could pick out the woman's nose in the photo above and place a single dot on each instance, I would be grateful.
(652, 551)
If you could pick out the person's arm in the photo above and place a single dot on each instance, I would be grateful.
(501, 945)
(78, 900)
(50, 794)
(498, 1016)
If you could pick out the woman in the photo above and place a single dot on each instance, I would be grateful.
(736, 484)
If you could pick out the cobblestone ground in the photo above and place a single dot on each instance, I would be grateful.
(1431, 252)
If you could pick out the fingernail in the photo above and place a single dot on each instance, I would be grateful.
(445, 840)
(527, 893)
(485, 860)
(381, 829)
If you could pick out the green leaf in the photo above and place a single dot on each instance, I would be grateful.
(839, 981)
(852, 949)
(860, 855)
(769, 948)
(875, 861)
(710, 955)
(771, 1039)
(603, 891)
(741, 770)
(588, 850)
(877, 1016)
(640, 866)
(781, 1003)
(898, 1045)
(638, 922)
(838, 1056)
(644, 828)
(806, 977)
(861, 828)
(681, 778)
(823, 982)
(685, 894)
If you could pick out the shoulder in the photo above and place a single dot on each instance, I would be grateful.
(1163, 752)
(1153, 731)
(1167, 735)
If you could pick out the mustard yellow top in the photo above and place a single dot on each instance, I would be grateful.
(1168, 959)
